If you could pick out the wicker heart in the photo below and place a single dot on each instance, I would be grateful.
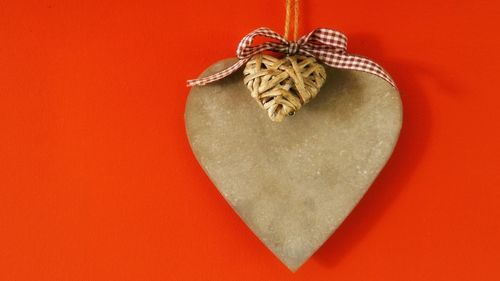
(294, 182)
(282, 86)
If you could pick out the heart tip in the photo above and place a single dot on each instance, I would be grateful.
(293, 265)
(293, 269)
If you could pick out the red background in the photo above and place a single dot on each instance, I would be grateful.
(97, 180)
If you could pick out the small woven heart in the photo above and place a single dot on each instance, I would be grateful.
(282, 86)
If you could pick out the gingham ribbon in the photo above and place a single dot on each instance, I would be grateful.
(326, 45)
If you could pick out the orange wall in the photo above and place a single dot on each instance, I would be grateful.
(97, 180)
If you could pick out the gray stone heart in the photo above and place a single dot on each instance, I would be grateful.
(293, 183)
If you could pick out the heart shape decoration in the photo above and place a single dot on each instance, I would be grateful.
(294, 182)
(282, 86)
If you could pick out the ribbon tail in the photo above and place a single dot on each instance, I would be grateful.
(353, 62)
(217, 76)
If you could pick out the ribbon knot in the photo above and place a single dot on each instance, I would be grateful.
(293, 48)
(326, 45)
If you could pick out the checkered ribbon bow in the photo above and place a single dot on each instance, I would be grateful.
(326, 45)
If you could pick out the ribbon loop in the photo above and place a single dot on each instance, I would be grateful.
(326, 45)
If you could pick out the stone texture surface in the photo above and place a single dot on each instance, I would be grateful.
(293, 183)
